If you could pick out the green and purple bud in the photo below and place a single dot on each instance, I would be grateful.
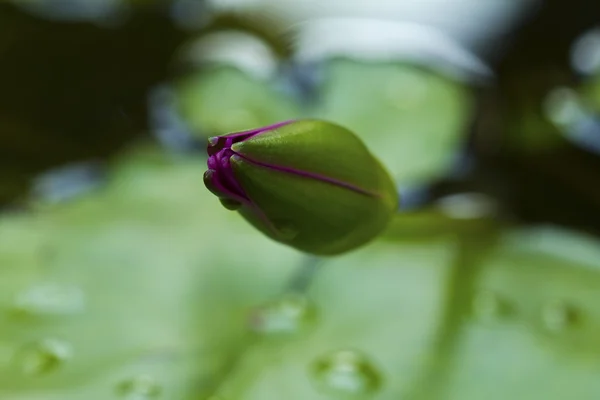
(310, 184)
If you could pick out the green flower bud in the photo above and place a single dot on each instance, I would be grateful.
(310, 184)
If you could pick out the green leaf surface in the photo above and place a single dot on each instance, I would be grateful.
(223, 99)
(534, 322)
(384, 302)
(413, 119)
(145, 281)
(458, 317)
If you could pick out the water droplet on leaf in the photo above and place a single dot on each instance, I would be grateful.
(345, 373)
(489, 306)
(141, 387)
(558, 316)
(50, 299)
(43, 357)
(286, 315)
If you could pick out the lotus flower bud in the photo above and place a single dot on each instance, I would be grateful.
(310, 184)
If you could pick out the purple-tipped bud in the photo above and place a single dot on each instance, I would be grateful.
(219, 178)
(310, 184)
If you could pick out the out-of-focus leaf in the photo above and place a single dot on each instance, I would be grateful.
(534, 324)
(383, 303)
(413, 119)
(142, 287)
(224, 99)
(386, 324)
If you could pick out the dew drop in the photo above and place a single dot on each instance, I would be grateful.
(50, 299)
(43, 357)
(345, 373)
(141, 387)
(558, 316)
(286, 315)
(489, 306)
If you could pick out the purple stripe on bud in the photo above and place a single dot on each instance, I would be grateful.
(311, 175)
(219, 178)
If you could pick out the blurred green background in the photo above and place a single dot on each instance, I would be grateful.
(122, 277)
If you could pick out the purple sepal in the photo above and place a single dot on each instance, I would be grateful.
(219, 178)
